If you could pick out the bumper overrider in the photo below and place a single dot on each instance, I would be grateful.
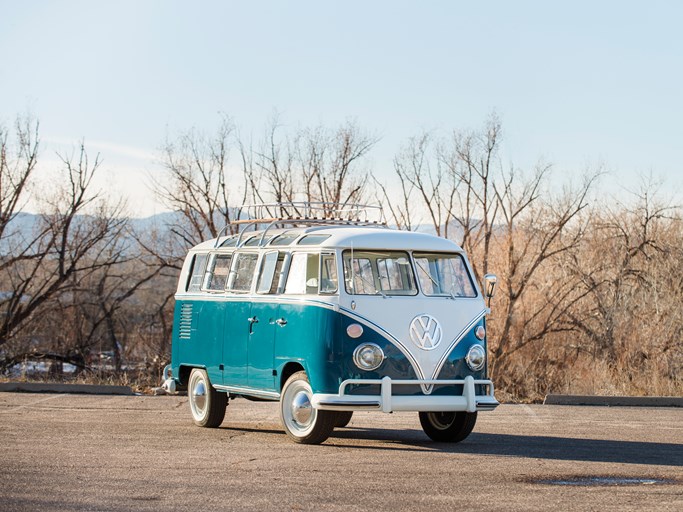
(469, 401)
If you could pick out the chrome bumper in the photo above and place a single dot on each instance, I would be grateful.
(387, 402)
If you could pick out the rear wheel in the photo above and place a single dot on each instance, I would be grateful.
(301, 421)
(343, 419)
(206, 404)
(448, 427)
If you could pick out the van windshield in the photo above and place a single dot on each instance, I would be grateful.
(378, 273)
(443, 274)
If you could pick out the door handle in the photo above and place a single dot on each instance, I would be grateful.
(281, 322)
(252, 320)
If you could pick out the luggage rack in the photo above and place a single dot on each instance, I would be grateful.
(305, 213)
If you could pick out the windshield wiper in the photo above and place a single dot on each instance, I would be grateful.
(436, 285)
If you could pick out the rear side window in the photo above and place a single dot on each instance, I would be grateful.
(216, 276)
(197, 273)
(242, 272)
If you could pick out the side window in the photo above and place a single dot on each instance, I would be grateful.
(328, 273)
(271, 268)
(242, 272)
(303, 274)
(195, 282)
(216, 276)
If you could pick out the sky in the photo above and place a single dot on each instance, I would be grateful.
(581, 84)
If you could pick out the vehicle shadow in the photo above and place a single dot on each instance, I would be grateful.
(527, 446)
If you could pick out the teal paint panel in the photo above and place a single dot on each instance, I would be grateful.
(261, 342)
(309, 338)
(235, 343)
(204, 346)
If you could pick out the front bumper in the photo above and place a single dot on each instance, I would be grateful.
(387, 402)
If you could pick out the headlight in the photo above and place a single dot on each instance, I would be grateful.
(480, 332)
(476, 357)
(368, 356)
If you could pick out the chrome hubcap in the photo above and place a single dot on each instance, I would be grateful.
(199, 395)
(301, 408)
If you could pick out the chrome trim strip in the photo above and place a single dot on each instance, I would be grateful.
(351, 404)
(249, 391)
(215, 297)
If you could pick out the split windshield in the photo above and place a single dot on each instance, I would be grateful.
(390, 273)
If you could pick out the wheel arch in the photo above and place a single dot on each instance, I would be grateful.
(184, 371)
(288, 370)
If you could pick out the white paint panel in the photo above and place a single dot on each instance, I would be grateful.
(394, 315)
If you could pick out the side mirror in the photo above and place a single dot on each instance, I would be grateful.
(490, 285)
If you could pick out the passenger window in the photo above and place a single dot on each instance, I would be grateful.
(196, 273)
(271, 267)
(242, 272)
(328, 273)
(303, 274)
(216, 276)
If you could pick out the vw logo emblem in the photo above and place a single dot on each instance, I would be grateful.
(425, 331)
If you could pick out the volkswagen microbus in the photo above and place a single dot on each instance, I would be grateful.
(329, 312)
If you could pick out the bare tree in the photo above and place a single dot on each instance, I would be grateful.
(18, 160)
(198, 183)
(314, 165)
(269, 170)
(634, 242)
(536, 234)
(471, 159)
(71, 240)
(423, 176)
(453, 180)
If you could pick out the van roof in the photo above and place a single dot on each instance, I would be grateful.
(346, 236)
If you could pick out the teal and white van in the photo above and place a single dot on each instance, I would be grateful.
(330, 313)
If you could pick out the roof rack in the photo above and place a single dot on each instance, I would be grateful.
(305, 213)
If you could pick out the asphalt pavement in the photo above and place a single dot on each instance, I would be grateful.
(80, 452)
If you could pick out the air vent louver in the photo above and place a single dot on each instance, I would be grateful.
(185, 323)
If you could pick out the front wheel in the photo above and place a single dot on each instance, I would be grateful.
(206, 404)
(301, 421)
(448, 427)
